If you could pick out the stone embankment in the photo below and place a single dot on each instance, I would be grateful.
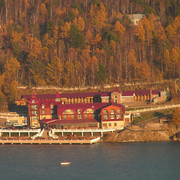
(149, 132)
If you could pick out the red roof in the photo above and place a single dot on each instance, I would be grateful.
(140, 92)
(90, 94)
(116, 89)
(119, 105)
(72, 95)
(127, 93)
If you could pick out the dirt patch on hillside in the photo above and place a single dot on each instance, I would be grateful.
(145, 133)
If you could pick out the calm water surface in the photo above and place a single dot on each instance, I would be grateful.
(133, 161)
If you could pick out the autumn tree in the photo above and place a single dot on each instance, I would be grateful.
(119, 27)
(140, 34)
(54, 71)
(36, 73)
(143, 71)
(11, 79)
(98, 16)
(132, 66)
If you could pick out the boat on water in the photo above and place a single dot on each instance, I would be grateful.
(65, 163)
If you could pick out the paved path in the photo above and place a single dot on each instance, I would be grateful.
(153, 109)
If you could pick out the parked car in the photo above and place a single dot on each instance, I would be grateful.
(8, 123)
(17, 124)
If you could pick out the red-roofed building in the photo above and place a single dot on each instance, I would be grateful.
(96, 109)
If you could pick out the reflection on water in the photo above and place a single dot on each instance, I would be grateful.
(148, 161)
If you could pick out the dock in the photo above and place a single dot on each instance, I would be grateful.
(48, 141)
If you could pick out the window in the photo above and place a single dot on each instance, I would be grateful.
(105, 116)
(57, 99)
(43, 112)
(65, 116)
(79, 111)
(33, 101)
(52, 111)
(105, 111)
(112, 113)
(115, 124)
(115, 99)
(79, 114)
(105, 124)
(24, 121)
(109, 124)
(118, 116)
(51, 106)
(34, 112)
(118, 111)
(43, 106)
(34, 106)
(72, 116)
(86, 115)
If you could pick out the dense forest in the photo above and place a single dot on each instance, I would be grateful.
(77, 43)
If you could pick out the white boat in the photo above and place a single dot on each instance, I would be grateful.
(65, 163)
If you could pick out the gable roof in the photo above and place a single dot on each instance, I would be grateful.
(140, 92)
(70, 95)
(117, 105)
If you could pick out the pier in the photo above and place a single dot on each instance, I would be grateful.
(48, 141)
(45, 136)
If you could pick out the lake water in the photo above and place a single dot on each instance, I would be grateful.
(128, 161)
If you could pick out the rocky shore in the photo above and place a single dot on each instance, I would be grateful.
(148, 132)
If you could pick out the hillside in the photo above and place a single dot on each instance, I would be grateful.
(79, 43)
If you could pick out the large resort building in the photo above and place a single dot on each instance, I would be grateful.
(83, 110)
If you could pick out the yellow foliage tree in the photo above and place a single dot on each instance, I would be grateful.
(176, 23)
(17, 37)
(12, 67)
(148, 30)
(132, 65)
(88, 36)
(152, 21)
(54, 70)
(98, 16)
(65, 30)
(97, 39)
(118, 27)
(144, 71)
(171, 32)
(160, 32)
(80, 23)
(140, 32)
